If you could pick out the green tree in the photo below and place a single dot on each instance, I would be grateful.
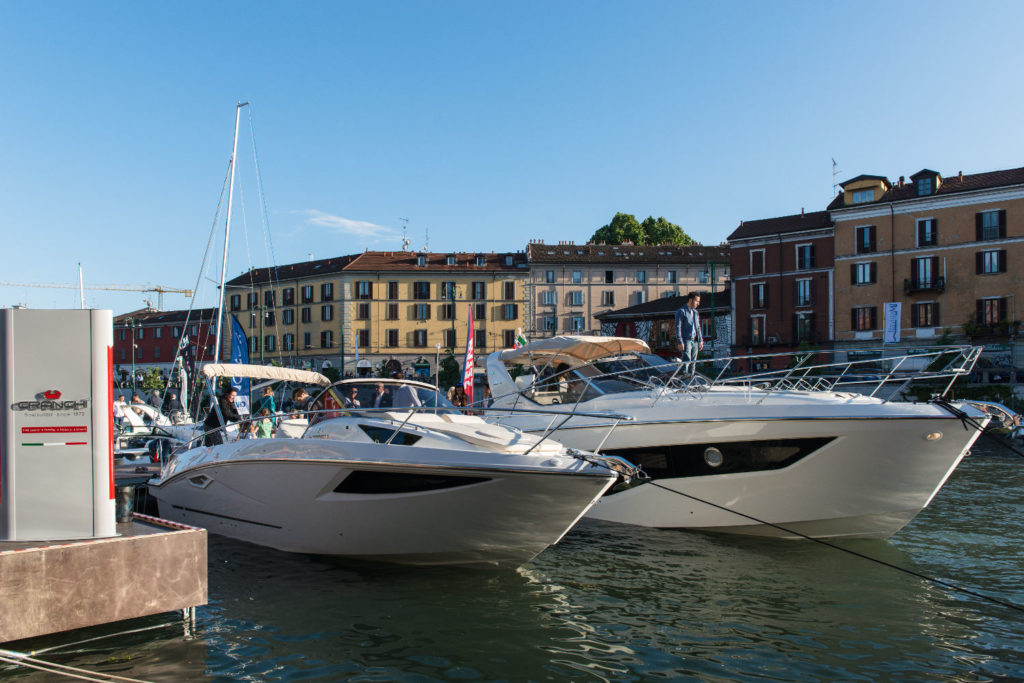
(152, 380)
(450, 374)
(624, 227)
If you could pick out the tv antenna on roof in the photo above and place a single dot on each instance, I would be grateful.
(835, 174)
(405, 237)
(426, 239)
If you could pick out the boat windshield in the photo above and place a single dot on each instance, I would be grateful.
(395, 395)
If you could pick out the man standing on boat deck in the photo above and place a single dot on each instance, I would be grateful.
(156, 401)
(688, 332)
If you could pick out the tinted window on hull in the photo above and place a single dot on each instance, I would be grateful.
(382, 434)
(366, 481)
(740, 456)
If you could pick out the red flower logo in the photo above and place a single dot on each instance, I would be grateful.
(51, 395)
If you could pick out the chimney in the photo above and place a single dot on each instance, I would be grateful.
(801, 212)
(960, 177)
(901, 182)
(310, 257)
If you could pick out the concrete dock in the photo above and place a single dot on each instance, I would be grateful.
(48, 587)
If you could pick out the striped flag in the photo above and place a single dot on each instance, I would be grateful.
(467, 376)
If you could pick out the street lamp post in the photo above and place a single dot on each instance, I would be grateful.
(131, 323)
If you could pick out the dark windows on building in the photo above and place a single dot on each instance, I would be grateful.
(391, 312)
(392, 290)
(759, 295)
(362, 311)
(866, 243)
(805, 256)
(419, 338)
(363, 338)
(479, 290)
(757, 335)
(864, 318)
(609, 277)
(391, 337)
(449, 339)
(327, 339)
(364, 289)
(863, 273)
(990, 225)
(508, 337)
(421, 290)
(288, 316)
(288, 296)
(927, 232)
(306, 315)
(992, 261)
(327, 291)
(307, 294)
(803, 292)
(236, 302)
(327, 312)
(992, 310)
(757, 261)
(422, 311)
(924, 314)
(510, 311)
(252, 300)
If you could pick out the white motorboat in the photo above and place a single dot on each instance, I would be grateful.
(416, 484)
(782, 454)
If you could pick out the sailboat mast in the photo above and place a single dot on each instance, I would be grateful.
(227, 232)
(81, 287)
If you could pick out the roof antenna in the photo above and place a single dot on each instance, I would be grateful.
(405, 236)
(835, 174)
(426, 239)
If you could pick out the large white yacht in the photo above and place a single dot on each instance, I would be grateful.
(783, 454)
(412, 481)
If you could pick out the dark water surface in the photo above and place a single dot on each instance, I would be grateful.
(612, 602)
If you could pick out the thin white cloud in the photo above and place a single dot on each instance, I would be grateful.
(346, 226)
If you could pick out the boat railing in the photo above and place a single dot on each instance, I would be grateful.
(869, 375)
(314, 417)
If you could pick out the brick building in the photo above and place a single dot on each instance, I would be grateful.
(782, 283)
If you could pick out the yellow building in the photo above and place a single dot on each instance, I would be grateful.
(396, 306)
(948, 249)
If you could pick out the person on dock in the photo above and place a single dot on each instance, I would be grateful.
(172, 404)
(156, 400)
(212, 424)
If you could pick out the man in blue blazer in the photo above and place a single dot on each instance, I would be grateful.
(688, 332)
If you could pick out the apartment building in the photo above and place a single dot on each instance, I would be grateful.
(946, 248)
(395, 306)
(783, 282)
(569, 285)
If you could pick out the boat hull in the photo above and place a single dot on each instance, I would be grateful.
(869, 479)
(471, 514)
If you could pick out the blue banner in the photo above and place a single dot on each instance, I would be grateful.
(240, 354)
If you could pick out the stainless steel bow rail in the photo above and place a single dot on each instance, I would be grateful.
(867, 376)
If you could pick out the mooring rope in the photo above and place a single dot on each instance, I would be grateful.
(22, 659)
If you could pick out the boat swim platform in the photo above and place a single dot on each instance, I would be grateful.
(53, 586)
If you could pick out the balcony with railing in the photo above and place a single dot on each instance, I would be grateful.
(913, 284)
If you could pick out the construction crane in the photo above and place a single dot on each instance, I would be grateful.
(116, 288)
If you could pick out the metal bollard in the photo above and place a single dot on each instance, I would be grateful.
(125, 503)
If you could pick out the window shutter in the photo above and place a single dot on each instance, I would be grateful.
(1002, 260)
(796, 293)
(980, 312)
(812, 330)
(1003, 315)
(871, 238)
(913, 314)
(935, 231)
(935, 314)
(515, 311)
(935, 269)
(920, 232)
(874, 318)
(853, 273)
(853, 318)
(814, 259)
(796, 328)
(1002, 223)
(874, 272)
(810, 292)
(371, 289)
(764, 304)
(977, 227)
(979, 263)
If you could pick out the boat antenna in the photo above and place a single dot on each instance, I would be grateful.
(227, 232)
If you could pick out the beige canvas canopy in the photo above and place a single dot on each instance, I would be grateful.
(579, 347)
(264, 372)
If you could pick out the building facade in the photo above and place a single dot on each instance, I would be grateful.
(946, 249)
(570, 285)
(157, 335)
(783, 283)
(391, 306)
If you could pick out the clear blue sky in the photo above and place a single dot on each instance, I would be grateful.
(486, 123)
